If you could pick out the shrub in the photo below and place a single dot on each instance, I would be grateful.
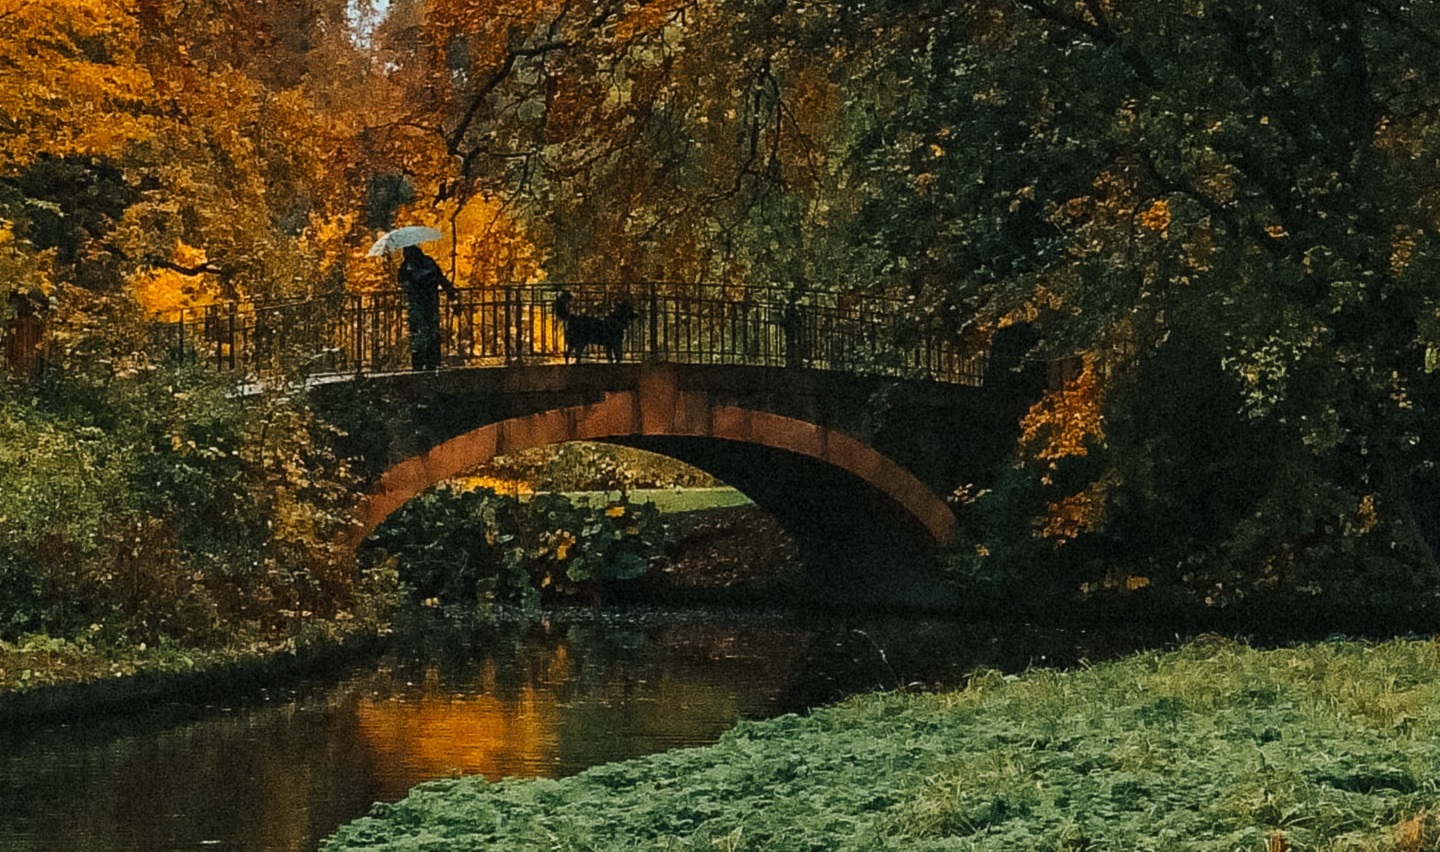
(157, 503)
(478, 546)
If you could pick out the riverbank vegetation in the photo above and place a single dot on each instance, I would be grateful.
(583, 521)
(153, 521)
(476, 547)
(1214, 745)
(590, 466)
(158, 504)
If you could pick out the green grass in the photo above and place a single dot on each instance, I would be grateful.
(1215, 746)
(37, 660)
(671, 500)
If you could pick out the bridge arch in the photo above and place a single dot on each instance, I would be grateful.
(659, 415)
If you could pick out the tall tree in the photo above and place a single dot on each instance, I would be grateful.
(1230, 206)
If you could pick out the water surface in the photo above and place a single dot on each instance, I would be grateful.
(280, 771)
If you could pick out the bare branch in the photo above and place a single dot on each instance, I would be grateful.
(206, 268)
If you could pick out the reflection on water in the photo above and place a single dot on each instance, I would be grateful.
(548, 698)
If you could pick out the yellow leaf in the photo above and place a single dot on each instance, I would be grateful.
(1157, 217)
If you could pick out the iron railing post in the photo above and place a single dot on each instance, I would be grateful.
(379, 332)
(230, 332)
(654, 322)
(507, 346)
(212, 332)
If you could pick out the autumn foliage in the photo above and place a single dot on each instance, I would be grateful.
(1228, 207)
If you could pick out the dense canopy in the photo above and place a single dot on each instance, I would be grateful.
(1221, 214)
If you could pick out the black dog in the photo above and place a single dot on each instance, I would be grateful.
(584, 331)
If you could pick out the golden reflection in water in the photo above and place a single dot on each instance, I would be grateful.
(439, 734)
(552, 721)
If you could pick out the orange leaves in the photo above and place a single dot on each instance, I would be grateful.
(1156, 217)
(216, 150)
(1116, 191)
(68, 80)
(1402, 251)
(1066, 518)
(1417, 833)
(646, 18)
(1365, 519)
(1115, 582)
(165, 292)
(1074, 212)
(474, 32)
(482, 244)
(1066, 421)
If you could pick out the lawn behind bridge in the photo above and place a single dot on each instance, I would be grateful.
(1214, 746)
(668, 501)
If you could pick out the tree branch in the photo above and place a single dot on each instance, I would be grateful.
(492, 82)
(206, 268)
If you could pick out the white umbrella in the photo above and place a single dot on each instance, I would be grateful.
(410, 235)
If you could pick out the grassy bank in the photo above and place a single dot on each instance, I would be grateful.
(1215, 746)
(673, 500)
(52, 679)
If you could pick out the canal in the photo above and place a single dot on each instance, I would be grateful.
(547, 696)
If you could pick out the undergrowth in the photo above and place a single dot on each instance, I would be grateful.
(1214, 746)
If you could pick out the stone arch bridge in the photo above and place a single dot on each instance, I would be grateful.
(856, 469)
(849, 426)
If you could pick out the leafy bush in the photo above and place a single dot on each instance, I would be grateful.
(477, 546)
(155, 502)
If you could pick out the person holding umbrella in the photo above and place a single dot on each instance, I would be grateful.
(421, 279)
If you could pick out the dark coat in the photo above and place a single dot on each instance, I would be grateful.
(421, 279)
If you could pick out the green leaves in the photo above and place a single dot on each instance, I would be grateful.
(158, 504)
(477, 546)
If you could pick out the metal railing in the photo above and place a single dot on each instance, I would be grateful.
(517, 324)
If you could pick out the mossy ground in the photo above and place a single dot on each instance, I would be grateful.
(1214, 746)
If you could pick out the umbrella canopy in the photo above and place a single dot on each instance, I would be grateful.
(410, 235)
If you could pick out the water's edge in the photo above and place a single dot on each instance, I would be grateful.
(73, 702)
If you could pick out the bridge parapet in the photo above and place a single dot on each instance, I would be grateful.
(507, 325)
